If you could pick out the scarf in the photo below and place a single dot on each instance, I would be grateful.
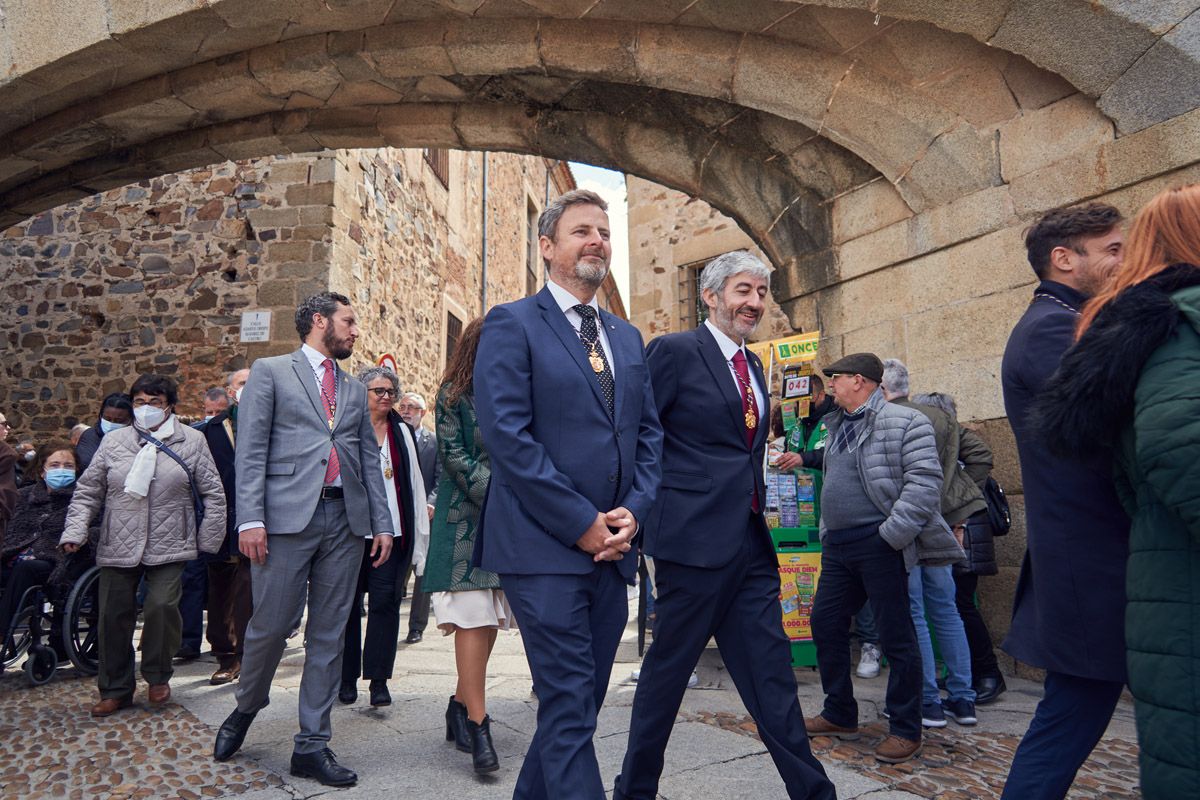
(137, 482)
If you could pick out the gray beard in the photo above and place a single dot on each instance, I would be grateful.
(590, 274)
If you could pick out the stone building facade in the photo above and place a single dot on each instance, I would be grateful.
(155, 276)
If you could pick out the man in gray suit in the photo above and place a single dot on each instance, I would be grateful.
(411, 408)
(309, 489)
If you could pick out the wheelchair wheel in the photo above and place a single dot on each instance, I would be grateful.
(81, 623)
(40, 666)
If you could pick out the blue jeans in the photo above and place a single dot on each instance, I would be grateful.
(931, 592)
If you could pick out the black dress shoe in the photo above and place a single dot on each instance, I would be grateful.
(347, 693)
(414, 636)
(231, 735)
(187, 653)
(456, 726)
(483, 754)
(322, 767)
(380, 696)
(988, 689)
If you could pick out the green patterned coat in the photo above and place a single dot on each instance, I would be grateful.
(461, 489)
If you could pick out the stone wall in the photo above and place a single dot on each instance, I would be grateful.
(153, 277)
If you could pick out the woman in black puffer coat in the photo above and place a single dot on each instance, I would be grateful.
(31, 556)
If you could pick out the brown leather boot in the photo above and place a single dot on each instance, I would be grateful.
(819, 726)
(159, 693)
(226, 674)
(111, 705)
(894, 749)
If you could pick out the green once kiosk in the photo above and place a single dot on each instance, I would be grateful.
(793, 509)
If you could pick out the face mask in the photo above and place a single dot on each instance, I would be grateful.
(237, 396)
(60, 478)
(108, 427)
(30, 455)
(149, 417)
(209, 417)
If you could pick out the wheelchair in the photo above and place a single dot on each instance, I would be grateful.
(44, 632)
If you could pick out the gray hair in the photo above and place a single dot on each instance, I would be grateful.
(230, 376)
(895, 377)
(718, 271)
(938, 400)
(548, 221)
(368, 375)
(80, 428)
(217, 393)
(418, 399)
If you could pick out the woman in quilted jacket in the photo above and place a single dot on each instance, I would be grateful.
(150, 529)
(1131, 387)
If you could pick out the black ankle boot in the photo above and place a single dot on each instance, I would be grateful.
(483, 754)
(456, 726)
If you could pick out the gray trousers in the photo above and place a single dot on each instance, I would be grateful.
(320, 563)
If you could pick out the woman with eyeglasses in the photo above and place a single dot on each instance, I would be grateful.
(149, 530)
(384, 583)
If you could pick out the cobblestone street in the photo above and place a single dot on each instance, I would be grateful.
(55, 750)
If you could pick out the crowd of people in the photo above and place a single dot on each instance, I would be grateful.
(563, 447)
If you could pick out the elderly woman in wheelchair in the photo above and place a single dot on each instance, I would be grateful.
(36, 574)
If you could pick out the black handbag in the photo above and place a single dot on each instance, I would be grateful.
(197, 500)
(997, 507)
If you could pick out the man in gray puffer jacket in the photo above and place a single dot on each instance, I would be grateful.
(880, 516)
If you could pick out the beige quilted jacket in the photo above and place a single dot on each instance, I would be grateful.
(159, 528)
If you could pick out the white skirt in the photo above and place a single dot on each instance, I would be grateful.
(475, 608)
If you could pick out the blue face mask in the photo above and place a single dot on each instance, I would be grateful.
(109, 427)
(60, 478)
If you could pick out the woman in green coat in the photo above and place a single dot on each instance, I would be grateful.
(467, 602)
(1131, 387)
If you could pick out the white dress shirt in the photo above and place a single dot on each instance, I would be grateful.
(567, 302)
(728, 348)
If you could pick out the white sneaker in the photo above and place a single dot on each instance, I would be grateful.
(868, 664)
(637, 673)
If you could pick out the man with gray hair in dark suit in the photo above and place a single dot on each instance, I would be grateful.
(310, 488)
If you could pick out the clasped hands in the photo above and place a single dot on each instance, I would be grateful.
(602, 541)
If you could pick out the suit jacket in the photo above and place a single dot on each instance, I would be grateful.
(558, 457)
(710, 475)
(431, 466)
(221, 448)
(283, 445)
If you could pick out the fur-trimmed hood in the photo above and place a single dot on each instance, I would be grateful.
(1088, 401)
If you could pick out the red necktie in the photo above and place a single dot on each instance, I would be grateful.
(328, 393)
(749, 409)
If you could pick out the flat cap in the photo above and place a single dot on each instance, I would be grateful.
(866, 364)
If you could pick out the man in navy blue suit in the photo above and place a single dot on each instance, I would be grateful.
(715, 568)
(568, 419)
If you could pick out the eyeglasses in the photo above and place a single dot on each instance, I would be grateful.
(380, 392)
(4, 424)
(157, 402)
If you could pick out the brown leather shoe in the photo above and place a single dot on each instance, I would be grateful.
(159, 693)
(226, 674)
(111, 705)
(894, 749)
(819, 726)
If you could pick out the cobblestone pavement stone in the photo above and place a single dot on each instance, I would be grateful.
(50, 747)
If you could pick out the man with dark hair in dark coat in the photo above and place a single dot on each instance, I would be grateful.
(1069, 609)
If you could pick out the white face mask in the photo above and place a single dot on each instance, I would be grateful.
(210, 417)
(237, 396)
(149, 417)
(31, 455)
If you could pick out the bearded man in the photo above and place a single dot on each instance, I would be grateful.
(309, 490)
(565, 408)
(715, 568)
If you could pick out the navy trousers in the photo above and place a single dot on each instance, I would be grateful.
(192, 602)
(739, 605)
(571, 626)
(1068, 723)
(870, 571)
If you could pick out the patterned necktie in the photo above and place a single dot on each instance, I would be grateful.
(590, 336)
(329, 398)
(749, 409)
(846, 435)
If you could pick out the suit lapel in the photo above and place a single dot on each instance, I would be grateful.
(343, 394)
(308, 380)
(710, 353)
(557, 321)
(764, 420)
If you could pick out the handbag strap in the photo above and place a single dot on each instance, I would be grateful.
(197, 501)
